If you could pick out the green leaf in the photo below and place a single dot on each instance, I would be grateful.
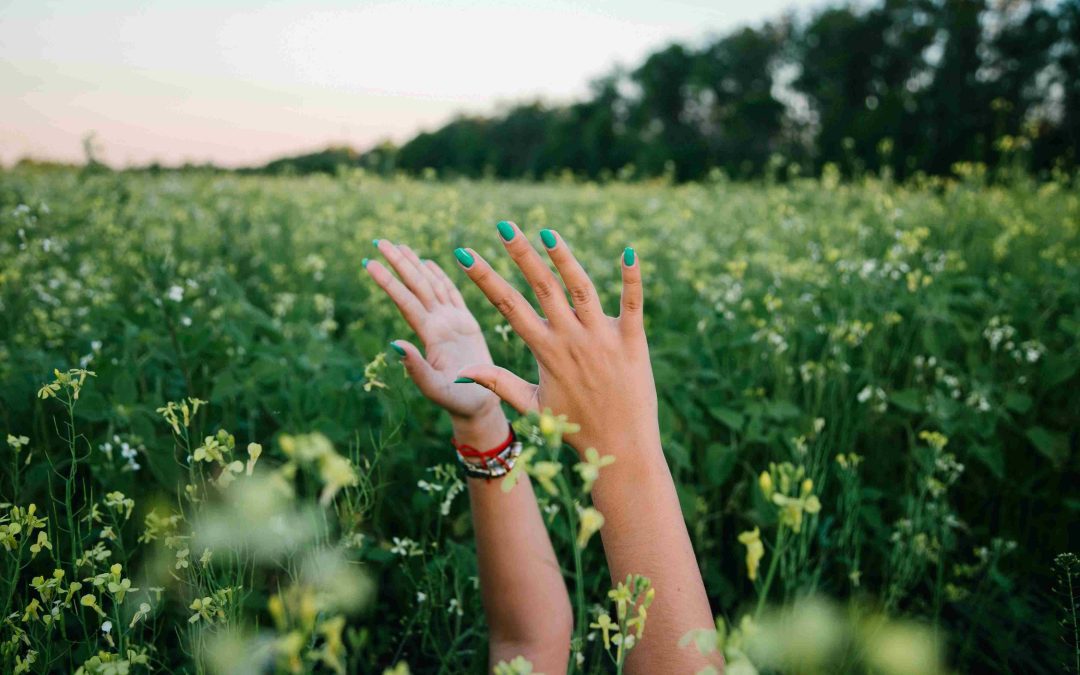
(720, 459)
(992, 457)
(782, 410)
(731, 418)
(1018, 402)
(907, 399)
(1053, 445)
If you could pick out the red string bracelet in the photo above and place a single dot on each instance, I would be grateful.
(470, 452)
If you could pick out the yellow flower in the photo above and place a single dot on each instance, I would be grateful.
(766, 484)
(755, 551)
(544, 472)
(591, 521)
(42, 542)
(589, 470)
(254, 451)
(604, 623)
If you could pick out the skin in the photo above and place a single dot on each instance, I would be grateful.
(524, 595)
(595, 369)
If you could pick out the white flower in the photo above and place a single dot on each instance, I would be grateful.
(176, 293)
(106, 627)
(421, 596)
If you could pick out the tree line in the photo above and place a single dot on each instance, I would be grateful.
(900, 86)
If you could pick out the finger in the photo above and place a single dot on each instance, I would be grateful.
(451, 290)
(510, 303)
(436, 287)
(427, 379)
(546, 287)
(520, 394)
(411, 309)
(633, 300)
(578, 284)
(413, 279)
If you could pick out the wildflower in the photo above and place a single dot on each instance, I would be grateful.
(604, 623)
(17, 442)
(143, 611)
(766, 484)
(590, 523)
(589, 470)
(182, 558)
(90, 600)
(544, 472)
(32, 611)
(622, 596)
(371, 373)
(755, 551)
(934, 439)
(405, 547)
(121, 588)
(175, 293)
(454, 607)
(42, 542)
(518, 666)
(421, 596)
(254, 451)
(400, 668)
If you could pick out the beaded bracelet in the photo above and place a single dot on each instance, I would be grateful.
(492, 463)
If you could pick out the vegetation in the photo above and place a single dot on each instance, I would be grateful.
(213, 462)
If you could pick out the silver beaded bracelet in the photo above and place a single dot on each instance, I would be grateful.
(492, 467)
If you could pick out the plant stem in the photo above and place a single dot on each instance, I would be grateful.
(773, 564)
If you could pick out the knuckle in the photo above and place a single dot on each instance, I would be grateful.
(543, 289)
(581, 295)
(507, 305)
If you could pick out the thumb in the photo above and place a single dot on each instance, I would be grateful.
(420, 371)
(520, 394)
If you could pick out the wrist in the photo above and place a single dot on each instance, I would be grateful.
(484, 430)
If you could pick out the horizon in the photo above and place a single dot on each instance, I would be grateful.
(263, 83)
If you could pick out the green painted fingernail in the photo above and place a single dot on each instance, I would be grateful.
(628, 257)
(364, 262)
(464, 257)
(506, 230)
(548, 237)
(464, 380)
(399, 350)
(376, 242)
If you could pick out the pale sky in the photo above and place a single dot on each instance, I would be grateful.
(239, 82)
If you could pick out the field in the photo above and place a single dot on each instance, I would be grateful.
(913, 348)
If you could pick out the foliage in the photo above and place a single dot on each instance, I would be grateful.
(874, 382)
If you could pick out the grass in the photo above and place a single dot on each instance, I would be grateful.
(911, 350)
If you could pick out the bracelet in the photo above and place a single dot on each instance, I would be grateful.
(492, 463)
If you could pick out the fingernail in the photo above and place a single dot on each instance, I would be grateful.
(464, 257)
(396, 348)
(506, 230)
(364, 262)
(464, 380)
(628, 257)
(376, 242)
(548, 237)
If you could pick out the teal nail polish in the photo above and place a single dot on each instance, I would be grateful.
(376, 242)
(396, 348)
(506, 230)
(464, 257)
(628, 257)
(364, 262)
(464, 380)
(548, 237)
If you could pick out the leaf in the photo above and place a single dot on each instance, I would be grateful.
(1051, 444)
(782, 410)
(907, 399)
(720, 459)
(1018, 402)
(731, 418)
(992, 457)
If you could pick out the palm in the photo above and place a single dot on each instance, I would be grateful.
(452, 340)
(434, 308)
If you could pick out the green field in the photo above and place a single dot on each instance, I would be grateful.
(915, 348)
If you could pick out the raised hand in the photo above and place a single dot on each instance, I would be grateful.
(593, 368)
(432, 305)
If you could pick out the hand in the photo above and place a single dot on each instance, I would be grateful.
(432, 305)
(593, 368)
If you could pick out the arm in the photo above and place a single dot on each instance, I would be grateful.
(523, 591)
(595, 369)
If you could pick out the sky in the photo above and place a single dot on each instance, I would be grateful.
(238, 82)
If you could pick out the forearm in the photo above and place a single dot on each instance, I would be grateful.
(524, 595)
(644, 533)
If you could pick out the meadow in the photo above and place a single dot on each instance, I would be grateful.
(214, 463)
